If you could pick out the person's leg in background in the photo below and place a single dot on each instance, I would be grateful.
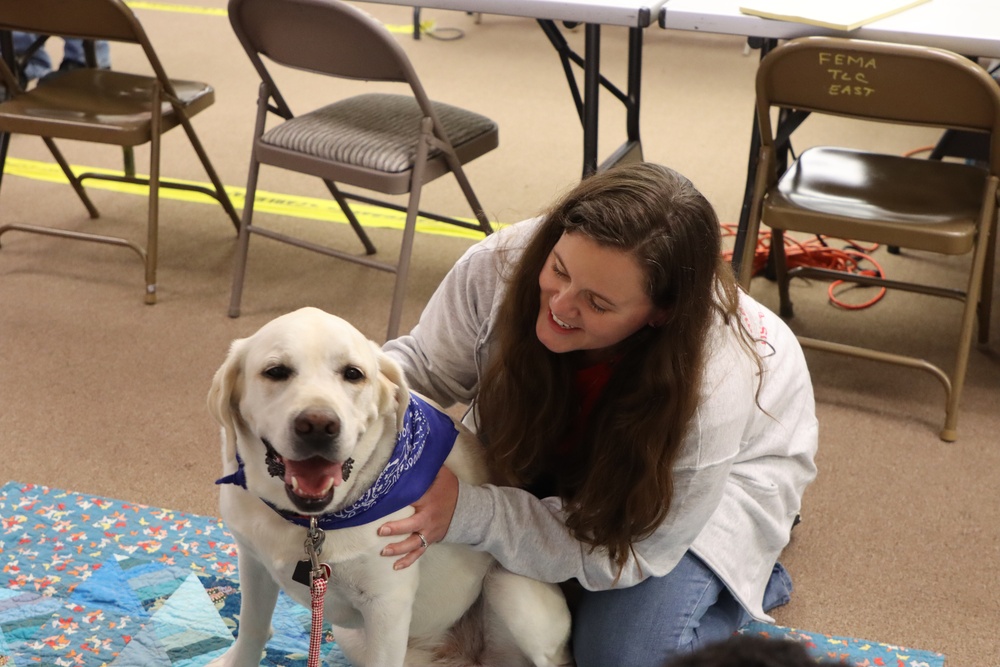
(39, 64)
(74, 55)
(648, 624)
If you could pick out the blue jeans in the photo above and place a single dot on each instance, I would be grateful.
(647, 624)
(40, 63)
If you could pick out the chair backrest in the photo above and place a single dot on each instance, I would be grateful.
(895, 83)
(323, 36)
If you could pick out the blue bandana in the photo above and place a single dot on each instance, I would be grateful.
(421, 447)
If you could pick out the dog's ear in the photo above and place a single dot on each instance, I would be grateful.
(394, 392)
(224, 395)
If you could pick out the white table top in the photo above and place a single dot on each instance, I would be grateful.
(629, 13)
(969, 27)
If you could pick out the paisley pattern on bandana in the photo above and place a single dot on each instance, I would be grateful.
(409, 472)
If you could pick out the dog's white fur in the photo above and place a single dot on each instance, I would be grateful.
(429, 613)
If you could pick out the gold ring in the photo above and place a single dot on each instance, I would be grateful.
(423, 540)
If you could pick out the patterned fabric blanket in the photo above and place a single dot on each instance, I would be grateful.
(94, 582)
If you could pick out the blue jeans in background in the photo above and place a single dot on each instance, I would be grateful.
(74, 56)
(662, 617)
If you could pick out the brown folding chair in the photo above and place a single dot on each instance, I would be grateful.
(387, 143)
(105, 107)
(910, 203)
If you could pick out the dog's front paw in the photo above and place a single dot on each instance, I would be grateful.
(230, 659)
(240, 654)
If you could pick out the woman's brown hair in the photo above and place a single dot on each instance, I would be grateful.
(618, 486)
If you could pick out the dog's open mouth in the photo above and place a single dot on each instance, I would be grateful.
(310, 482)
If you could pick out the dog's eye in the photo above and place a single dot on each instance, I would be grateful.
(277, 373)
(353, 374)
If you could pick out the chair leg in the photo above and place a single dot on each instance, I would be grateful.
(73, 180)
(152, 228)
(749, 249)
(220, 189)
(351, 218)
(243, 242)
(972, 298)
(986, 295)
(781, 271)
(470, 195)
(128, 161)
(403, 267)
(409, 231)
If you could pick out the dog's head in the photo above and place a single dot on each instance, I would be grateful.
(299, 398)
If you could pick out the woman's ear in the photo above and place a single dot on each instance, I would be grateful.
(658, 318)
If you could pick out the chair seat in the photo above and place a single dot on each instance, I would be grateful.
(906, 202)
(379, 132)
(65, 107)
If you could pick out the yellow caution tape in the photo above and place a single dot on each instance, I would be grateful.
(311, 208)
(425, 26)
(166, 7)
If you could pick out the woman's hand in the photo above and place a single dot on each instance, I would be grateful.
(431, 520)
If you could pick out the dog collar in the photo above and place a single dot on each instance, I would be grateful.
(421, 447)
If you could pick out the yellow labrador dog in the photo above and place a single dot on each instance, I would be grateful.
(318, 422)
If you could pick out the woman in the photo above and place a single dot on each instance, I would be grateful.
(652, 427)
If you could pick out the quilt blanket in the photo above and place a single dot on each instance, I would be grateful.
(87, 581)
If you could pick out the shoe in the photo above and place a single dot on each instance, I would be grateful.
(65, 66)
(21, 79)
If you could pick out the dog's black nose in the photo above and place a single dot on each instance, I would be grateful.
(316, 429)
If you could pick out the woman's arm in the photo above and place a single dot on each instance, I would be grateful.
(529, 536)
(440, 355)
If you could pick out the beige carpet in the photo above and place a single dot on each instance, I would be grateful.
(102, 394)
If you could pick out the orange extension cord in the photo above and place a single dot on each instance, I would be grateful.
(817, 253)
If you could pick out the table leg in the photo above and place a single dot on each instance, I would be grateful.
(631, 150)
(634, 85)
(587, 103)
(591, 95)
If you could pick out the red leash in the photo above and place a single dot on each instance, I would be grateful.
(318, 590)
(318, 576)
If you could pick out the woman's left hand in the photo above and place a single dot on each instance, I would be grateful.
(431, 520)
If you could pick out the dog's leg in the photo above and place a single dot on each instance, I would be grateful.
(259, 594)
(533, 615)
(387, 629)
(351, 642)
(384, 597)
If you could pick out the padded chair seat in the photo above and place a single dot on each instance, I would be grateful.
(913, 203)
(379, 132)
(119, 114)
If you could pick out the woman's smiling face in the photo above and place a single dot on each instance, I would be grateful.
(592, 297)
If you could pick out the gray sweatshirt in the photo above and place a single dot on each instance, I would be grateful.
(738, 481)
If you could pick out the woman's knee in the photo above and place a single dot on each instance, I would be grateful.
(655, 620)
(622, 643)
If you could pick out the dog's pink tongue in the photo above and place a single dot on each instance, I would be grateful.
(313, 478)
